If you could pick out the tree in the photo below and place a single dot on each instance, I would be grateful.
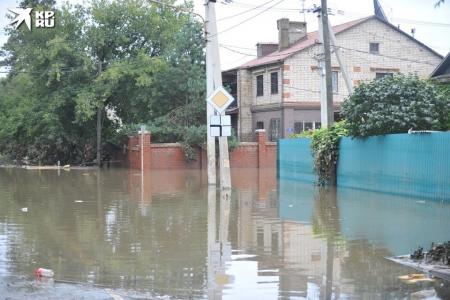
(138, 60)
(395, 105)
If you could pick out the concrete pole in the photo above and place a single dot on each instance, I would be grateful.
(213, 61)
(341, 62)
(210, 141)
(326, 95)
(212, 245)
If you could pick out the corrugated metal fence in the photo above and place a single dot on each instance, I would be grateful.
(415, 165)
(295, 160)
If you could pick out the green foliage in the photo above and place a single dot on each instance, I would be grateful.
(193, 138)
(233, 141)
(444, 91)
(394, 105)
(325, 149)
(143, 61)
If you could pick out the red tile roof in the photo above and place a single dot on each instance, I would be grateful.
(310, 40)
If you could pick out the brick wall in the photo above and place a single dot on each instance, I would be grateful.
(245, 96)
(398, 53)
(260, 154)
(299, 75)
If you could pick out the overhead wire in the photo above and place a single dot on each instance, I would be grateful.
(246, 20)
(245, 11)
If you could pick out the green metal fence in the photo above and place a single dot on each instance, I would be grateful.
(406, 164)
(416, 165)
(295, 160)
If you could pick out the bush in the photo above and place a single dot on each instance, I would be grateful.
(325, 149)
(193, 138)
(394, 105)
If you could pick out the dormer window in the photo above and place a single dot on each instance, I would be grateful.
(374, 48)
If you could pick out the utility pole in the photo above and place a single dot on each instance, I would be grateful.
(214, 81)
(326, 95)
(341, 62)
(210, 141)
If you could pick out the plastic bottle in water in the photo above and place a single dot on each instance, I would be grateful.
(41, 272)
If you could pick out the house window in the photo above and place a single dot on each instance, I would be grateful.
(334, 81)
(259, 85)
(260, 125)
(381, 75)
(274, 129)
(308, 126)
(317, 125)
(274, 83)
(298, 127)
(374, 48)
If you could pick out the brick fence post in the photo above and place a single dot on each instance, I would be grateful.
(262, 155)
(147, 147)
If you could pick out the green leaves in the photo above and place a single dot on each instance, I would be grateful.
(394, 105)
(151, 58)
(325, 149)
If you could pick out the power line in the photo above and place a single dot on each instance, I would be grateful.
(388, 56)
(396, 41)
(245, 11)
(236, 51)
(178, 9)
(248, 19)
(354, 13)
(242, 4)
(239, 47)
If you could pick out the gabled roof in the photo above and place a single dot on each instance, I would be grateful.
(440, 69)
(311, 39)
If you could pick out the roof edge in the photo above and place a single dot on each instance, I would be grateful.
(445, 61)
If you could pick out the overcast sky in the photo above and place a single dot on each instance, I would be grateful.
(259, 24)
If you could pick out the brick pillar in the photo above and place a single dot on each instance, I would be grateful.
(132, 152)
(147, 150)
(261, 140)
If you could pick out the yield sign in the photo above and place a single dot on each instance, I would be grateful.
(220, 99)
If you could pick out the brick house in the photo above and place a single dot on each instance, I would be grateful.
(279, 90)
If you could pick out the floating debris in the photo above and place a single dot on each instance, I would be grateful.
(414, 278)
(435, 262)
(41, 272)
(439, 253)
(418, 254)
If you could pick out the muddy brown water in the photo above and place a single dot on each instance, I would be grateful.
(117, 233)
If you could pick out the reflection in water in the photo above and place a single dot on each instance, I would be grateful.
(168, 233)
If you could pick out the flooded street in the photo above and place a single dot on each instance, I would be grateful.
(115, 234)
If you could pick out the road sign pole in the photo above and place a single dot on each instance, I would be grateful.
(214, 61)
(210, 140)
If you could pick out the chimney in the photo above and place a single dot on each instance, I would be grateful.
(290, 32)
(262, 49)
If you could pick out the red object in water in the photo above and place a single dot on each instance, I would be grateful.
(41, 272)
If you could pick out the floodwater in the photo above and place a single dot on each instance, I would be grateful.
(120, 234)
